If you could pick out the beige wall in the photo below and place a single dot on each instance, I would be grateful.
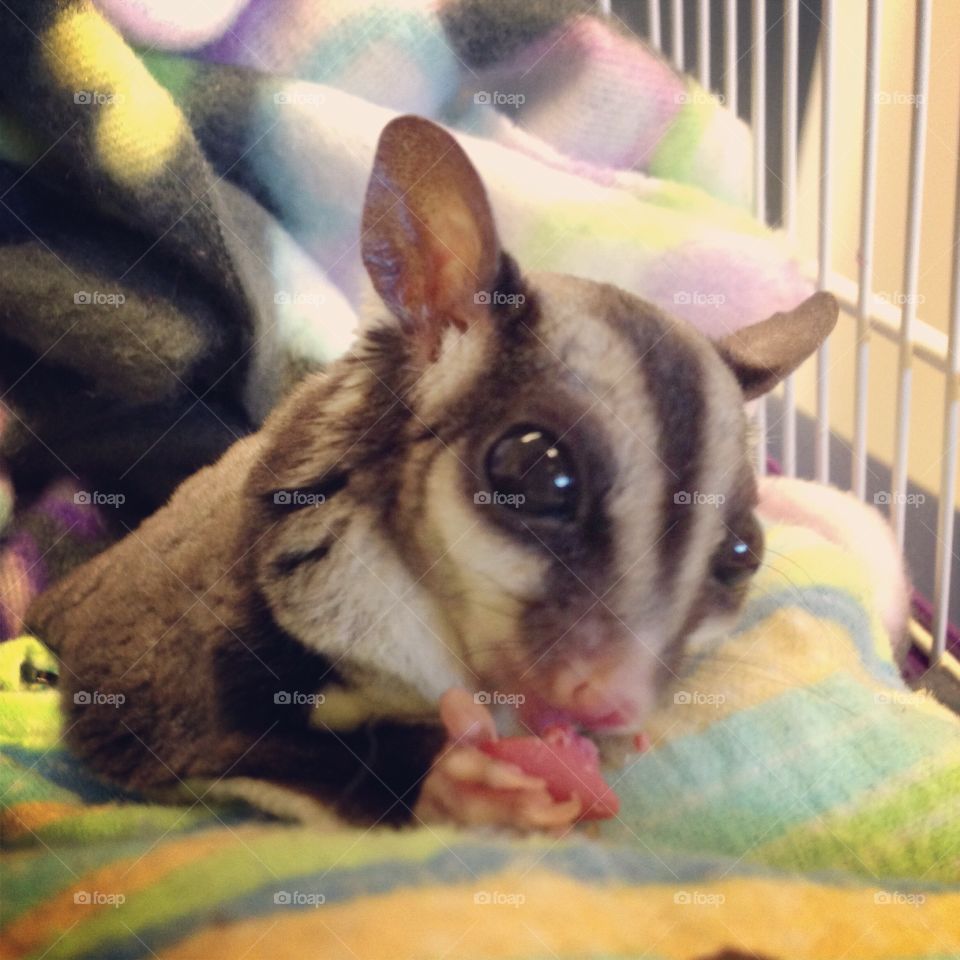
(894, 114)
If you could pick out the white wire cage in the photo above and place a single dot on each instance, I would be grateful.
(750, 53)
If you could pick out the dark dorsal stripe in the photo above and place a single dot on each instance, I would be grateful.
(290, 499)
(674, 383)
(515, 307)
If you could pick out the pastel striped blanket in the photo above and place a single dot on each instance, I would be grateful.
(798, 801)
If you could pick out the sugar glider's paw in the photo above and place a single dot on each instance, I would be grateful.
(469, 788)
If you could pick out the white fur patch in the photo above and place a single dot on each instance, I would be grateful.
(484, 573)
(463, 356)
(362, 609)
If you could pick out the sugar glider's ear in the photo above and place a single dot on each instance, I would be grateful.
(762, 354)
(429, 242)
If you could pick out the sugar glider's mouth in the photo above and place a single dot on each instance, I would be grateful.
(537, 715)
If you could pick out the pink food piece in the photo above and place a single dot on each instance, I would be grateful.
(568, 763)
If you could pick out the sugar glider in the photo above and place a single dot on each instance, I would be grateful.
(516, 488)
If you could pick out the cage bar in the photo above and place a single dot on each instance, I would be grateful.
(679, 58)
(824, 250)
(789, 206)
(653, 18)
(758, 116)
(911, 269)
(730, 55)
(868, 211)
(948, 475)
(703, 44)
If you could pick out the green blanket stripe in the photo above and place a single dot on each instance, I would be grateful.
(678, 149)
(19, 783)
(252, 859)
(175, 74)
(897, 835)
(680, 795)
(29, 775)
(687, 198)
(37, 876)
(30, 718)
(115, 822)
(605, 224)
(30, 877)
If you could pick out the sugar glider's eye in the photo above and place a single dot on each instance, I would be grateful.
(530, 471)
(740, 554)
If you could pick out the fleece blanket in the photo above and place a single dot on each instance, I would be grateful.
(797, 801)
(180, 192)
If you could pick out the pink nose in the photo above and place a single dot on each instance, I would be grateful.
(601, 695)
(586, 697)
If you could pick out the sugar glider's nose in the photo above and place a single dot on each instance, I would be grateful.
(604, 693)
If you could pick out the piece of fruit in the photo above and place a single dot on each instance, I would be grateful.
(568, 763)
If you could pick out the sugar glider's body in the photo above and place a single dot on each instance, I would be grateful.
(533, 485)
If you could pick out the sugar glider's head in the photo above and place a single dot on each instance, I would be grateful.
(586, 500)
(570, 476)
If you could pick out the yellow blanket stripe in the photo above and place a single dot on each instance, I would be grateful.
(139, 126)
(558, 917)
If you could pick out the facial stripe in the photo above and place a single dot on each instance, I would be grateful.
(301, 498)
(673, 378)
(672, 375)
(287, 563)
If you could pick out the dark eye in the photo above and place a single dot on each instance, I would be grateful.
(739, 555)
(530, 471)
